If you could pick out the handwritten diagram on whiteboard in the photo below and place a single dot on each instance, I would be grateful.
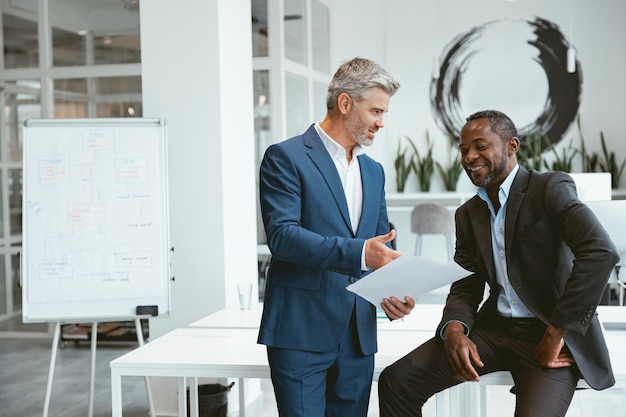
(95, 202)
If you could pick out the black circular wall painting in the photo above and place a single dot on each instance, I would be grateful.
(516, 66)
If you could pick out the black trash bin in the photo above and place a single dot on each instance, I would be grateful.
(212, 400)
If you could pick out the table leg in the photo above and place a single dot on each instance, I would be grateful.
(140, 341)
(193, 397)
(242, 397)
(182, 396)
(116, 393)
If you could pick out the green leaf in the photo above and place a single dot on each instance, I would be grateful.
(424, 166)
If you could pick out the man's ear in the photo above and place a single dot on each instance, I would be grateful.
(344, 103)
(513, 145)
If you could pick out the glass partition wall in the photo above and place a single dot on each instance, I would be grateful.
(291, 65)
(61, 59)
(82, 58)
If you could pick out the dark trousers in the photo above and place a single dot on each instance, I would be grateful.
(503, 344)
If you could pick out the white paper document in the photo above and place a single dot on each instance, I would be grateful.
(407, 275)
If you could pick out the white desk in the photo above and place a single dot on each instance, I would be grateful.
(192, 353)
(232, 318)
(223, 353)
(223, 345)
(423, 317)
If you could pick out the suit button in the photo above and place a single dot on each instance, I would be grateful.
(351, 280)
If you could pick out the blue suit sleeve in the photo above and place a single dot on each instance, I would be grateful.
(302, 223)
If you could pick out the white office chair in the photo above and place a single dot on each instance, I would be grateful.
(432, 218)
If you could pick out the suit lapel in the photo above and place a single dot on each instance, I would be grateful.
(481, 223)
(319, 156)
(513, 203)
(371, 203)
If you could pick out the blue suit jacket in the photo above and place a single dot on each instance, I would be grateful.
(315, 254)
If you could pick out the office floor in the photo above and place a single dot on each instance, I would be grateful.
(24, 365)
(24, 368)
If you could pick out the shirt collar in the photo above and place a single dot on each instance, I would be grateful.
(505, 187)
(333, 148)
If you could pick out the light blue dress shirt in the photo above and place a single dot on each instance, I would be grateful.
(509, 303)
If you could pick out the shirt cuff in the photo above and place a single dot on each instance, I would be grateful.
(443, 328)
(363, 266)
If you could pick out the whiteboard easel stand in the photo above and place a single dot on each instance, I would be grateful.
(92, 372)
(131, 164)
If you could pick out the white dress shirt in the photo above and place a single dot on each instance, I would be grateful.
(350, 175)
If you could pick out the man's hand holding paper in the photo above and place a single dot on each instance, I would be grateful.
(406, 276)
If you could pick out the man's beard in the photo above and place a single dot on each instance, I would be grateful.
(354, 126)
(485, 181)
(363, 140)
(498, 169)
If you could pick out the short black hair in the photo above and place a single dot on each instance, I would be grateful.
(499, 122)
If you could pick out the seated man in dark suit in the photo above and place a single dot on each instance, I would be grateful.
(546, 259)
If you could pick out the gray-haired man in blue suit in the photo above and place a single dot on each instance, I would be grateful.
(325, 217)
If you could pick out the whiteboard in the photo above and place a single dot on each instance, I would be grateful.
(95, 219)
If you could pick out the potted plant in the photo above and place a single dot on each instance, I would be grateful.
(530, 155)
(451, 172)
(608, 163)
(563, 161)
(590, 160)
(424, 166)
(404, 165)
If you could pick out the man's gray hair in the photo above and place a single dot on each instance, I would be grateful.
(355, 78)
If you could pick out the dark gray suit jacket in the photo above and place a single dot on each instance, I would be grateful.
(559, 258)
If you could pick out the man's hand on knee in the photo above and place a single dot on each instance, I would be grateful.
(461, 353)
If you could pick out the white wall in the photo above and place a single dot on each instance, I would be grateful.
(201, 85)
(357, 29)
(405, 35)
(197, 75)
